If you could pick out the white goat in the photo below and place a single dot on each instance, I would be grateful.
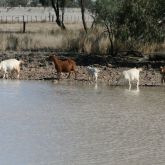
(132, 74)
(93, 72)
(9, 66)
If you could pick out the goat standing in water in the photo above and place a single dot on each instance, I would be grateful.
(10, 65)
(131, 75)
(162, 72)
(93, 72)
(67, 66)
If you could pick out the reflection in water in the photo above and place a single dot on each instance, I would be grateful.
(75, 123)
(132, 92)
(92, 85)
(96, 86)
(10, 82)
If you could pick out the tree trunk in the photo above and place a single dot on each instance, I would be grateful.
(55, 5)
(83, 14)
(63, 11)
(110, 38)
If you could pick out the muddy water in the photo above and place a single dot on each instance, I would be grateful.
(80, 124)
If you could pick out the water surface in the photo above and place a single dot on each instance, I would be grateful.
(43, 123)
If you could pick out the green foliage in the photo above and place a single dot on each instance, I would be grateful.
(139, 20)
(14, 3)
(131, 21)
(45, 2)
(2, 2)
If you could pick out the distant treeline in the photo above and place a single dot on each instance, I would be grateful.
(34, 3)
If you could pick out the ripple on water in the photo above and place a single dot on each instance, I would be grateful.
(75, 123)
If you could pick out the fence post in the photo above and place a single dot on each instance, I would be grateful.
(24, 25)
(49, 17)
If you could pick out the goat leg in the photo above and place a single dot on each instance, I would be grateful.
(69, 75)
(58, 75)
(129, 85)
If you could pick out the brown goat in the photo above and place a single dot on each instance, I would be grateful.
(67, 66)
(162, 72)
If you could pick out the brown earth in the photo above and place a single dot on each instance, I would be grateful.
(37, 68)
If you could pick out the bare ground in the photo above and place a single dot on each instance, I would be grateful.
(37, 68)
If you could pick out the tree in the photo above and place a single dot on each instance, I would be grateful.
(56, 4)
(84, 4)
(15, 3)
(140, 17)
(2, 3)
(61, 4)
(68, 3)
(81, 2)
(45, 2)
(130, 20)
(105, 12)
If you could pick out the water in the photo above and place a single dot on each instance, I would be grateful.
(80, 124)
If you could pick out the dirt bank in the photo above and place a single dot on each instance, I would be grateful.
(37, 68)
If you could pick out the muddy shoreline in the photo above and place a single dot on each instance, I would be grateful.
(37, 68)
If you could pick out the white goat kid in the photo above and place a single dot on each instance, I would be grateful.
(93, 72)
(131, 75)
(9, 66)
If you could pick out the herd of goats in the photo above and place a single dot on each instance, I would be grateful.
(69, 65)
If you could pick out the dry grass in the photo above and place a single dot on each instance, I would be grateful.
(49, 36)
(104, 45)
(37, 36)
(35, 41)
(36, 27)
(152, 47)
